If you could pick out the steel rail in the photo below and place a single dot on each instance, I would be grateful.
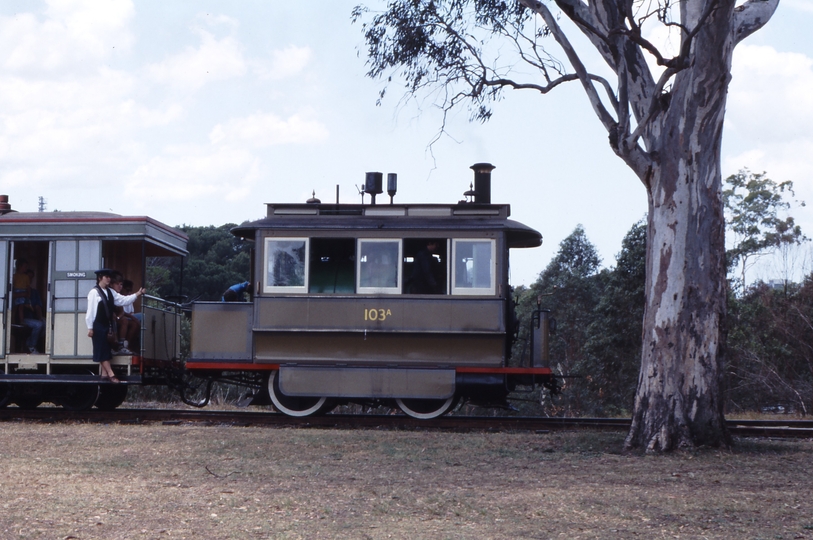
(743, 428)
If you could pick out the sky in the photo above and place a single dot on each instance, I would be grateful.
(199, 112)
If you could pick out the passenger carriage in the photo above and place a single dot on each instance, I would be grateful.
(64, 249)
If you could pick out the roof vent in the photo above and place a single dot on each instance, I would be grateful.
(373, 184)
(392, 186)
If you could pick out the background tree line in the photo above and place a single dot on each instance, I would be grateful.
(217, 259)
(599, 311)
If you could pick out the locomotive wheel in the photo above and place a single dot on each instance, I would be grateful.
(111, 396)
(426, 409)
(27, 402)
(5, 394)
(79, 397)
(293, 405)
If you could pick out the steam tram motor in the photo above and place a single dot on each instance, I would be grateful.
(335, 315)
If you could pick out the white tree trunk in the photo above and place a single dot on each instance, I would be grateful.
(679, 402)
(675, 151)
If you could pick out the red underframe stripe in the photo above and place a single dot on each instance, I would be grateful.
(232, 366)
(270, 367)
(507, 370)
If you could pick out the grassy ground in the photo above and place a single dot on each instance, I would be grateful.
(84, 481)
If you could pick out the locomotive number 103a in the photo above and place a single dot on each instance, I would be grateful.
(376, 314)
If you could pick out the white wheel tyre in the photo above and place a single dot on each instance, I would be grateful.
(293, 405)
(426, 409)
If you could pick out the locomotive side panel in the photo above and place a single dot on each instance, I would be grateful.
(221, 331)
(381, 349)
(364, 383)
(382, 314)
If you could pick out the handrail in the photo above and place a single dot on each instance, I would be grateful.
(166, 305)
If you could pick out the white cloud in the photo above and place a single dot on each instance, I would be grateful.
(284, 63)
(191, 173)
(70, 33)
(770, 111)
(213, 20)
(771, 93)
(72, 118)
(213, 60)
(46, 118)
(265, 129)
(800, 5)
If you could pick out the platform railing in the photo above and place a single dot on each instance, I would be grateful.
(160, 329)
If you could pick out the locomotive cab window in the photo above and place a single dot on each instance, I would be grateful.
(426, 264)
(474, 266)
(378, 266)
(332, 268)
(286, 265)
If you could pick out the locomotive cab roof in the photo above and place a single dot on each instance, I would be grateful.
(431, 218)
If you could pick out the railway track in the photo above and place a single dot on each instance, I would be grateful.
(742, 428)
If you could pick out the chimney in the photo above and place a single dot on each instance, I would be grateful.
(5, 207)
(482, 182)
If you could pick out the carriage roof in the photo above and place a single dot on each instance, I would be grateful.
(93, 225)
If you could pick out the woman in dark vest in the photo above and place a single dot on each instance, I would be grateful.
(99, 319)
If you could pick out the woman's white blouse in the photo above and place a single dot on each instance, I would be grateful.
(94, 299)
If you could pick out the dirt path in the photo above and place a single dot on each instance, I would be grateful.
(112, 481)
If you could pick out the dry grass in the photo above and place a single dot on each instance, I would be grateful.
(153, 481)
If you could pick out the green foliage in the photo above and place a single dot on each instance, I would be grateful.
(570, 285)
(613, 347)
(753, 203)
(599, 315)
(217, 259)
(770, 349)
(447, 43)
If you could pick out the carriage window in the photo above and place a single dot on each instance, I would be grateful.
(65, 295)
(332, 266)
(286, 265)
(379, 266)
(65, 257)
(474, 266)
(88, 254)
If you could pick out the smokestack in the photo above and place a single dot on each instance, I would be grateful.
(482, 182)
(5, 207)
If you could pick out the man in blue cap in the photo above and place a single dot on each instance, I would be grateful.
(235, 292)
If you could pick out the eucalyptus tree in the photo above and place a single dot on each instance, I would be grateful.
(663, 113)
(753, 203)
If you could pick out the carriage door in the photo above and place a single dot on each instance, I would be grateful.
(72, 277)
(4, 279)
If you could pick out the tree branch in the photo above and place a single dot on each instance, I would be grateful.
(598, 107)
(751, 16)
